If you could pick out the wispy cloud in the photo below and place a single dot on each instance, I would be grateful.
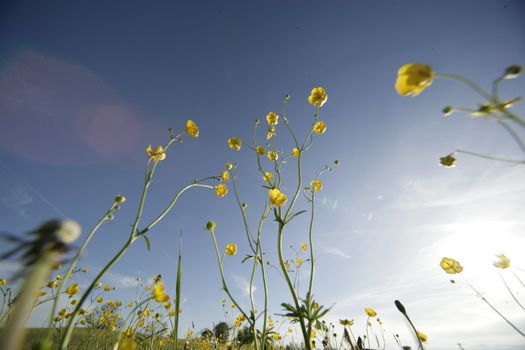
(120, 280)
(243, 285)
(337, 252)
(17, 199)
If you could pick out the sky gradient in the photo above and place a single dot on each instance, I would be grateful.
(85, 87)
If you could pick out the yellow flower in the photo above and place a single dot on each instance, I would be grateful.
(448, 161)
(319, 127)
(62, 312)
(85, 270)
(304, 246)
(272, 118)
(172, 313)
(221, 190)
(317, 185)
(298, 262)
(268, 176)
(277, 198)
(192, 129)
(52, 284)
(157, 154)
(502, 262)
(228, 166)
(370, 312)
(225, 176)
(413, 78)
(346, 322)
(128, 344)
(317, 97)
(107, 288)
(100, 300)
(235, 143)
(130, 304)
(159, 294)
(450, 266)
(260, 150)
(272, 155)
(287, 265)
(3, 282)
(41, 293)
(74, 302)
(422, 336)
(72, 289)
(271, 132)
(231, 249)
(276, 336)
(296, 152)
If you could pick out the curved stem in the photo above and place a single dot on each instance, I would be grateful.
(514, 135)
(510, 291)
(506, 160)
(309, 296)
(244, 219)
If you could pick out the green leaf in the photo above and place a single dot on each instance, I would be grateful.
(148, 243)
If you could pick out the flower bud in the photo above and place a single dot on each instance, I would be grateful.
(210, 225)
(400, 307)
(120, 199)
(512, 72)
(447, 111)
(244, 205)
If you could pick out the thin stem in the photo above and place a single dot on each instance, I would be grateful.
(514, 135)
(244, 218)
(510, 291)
(312, 260)
(519, 279)
(505, 160)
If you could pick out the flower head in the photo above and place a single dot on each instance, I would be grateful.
(231, 249)
(191, 128)
(277, 198)
(370, 312)
(120, 199)
(448, 161)
(52, 284)
(272, 155)
(304, 246)
(346, 322)
(318, 97)
(413, 78)
(72, 289)
(159, 294)
(260, 150)
(268, 177)
(422, 336)
(317, 185)
(296, 152)
(298, 262)
(221, 190)
(225, 176)
(502, 262)
(271, 132)
(450, 266)
(228, 166)
(235, 143)
(156, 154)
(319, 127)
(210, 225)
(272, 118)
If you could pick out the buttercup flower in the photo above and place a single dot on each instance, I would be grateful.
(271, 132)
(319, 127)
(277, 198)
(502, 262)
(413, 78)
(235, 143)
(268, 177)
(225, 176)
(296, 152)
(346, 322)
(72, 289)
(450, 266)
(192, 129)
(231, 249)
(3, 281)
(287, 265)
(221, 190)
(422, 336)
(318, 97)
(157, 154)
(272, 155)
(100, 300)
(304, 246)
(260, 150)
(298, 262)
(317, 185)
(448, 161)
(370, 312)
(159, 294)
(50, 284)
(107, 288)
(272, 118)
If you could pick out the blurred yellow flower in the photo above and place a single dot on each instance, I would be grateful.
(502, 262)
(74, 302)
(318, 97)
(159, 294)
(107, 288)
(319, 127)
(268, 176)
(277, 198)
(276, 336)
(422, 336)
(346, 322)
(228, 166)
(287, 265)
(271, 132)
(272, 155)
(370, 312)
(72, 289)
(317, 185)
(298, 262)
(304, 246)
(225, 176)
(128, 344)
(260, 150)
(450, 266)
(296, 152)
(272, 118)
(231, 249)
(448, 161)
(221, 190)
(235, 143)
(50, 284)
(100, 300)
(413, 78)
(157, 154)
(3, 282)
(192, 129)
(85, 269)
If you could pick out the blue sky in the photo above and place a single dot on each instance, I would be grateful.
(85, 87)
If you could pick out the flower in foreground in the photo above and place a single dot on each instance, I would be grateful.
(272, 118)
(235, 143)
(72, 289)
(502, 262)
(448, 161)
(413, 78)
(422, 336)
(231, 249)
(318, 97)
(319, 127)
(221, 190)
(3, 281)
(191, 128)
(156, 154)
(370, 312)
(272, 155)
(450, 266)
(317, 185)
(159, 294)
(277, 198)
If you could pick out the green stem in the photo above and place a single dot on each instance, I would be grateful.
(244, 219)
(309, 296)
(132, 313)
(514, 135)
(510, 291)
(506, 160)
